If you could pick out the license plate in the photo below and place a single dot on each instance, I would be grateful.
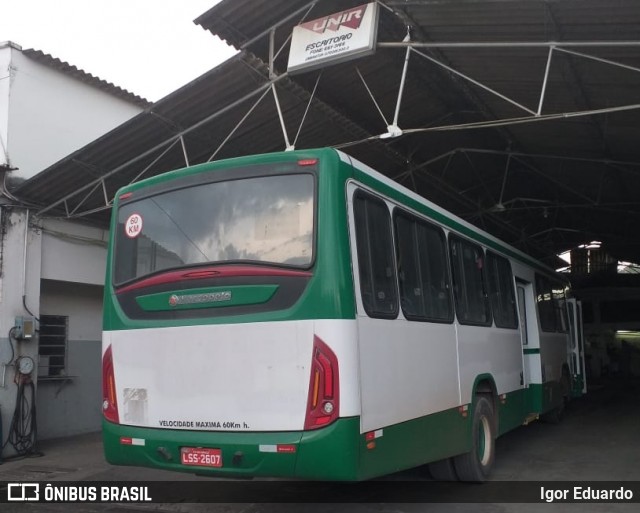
(201, 457)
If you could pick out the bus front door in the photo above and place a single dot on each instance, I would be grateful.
(524, 330)
(576, 348)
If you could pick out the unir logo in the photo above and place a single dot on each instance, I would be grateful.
(350, 18)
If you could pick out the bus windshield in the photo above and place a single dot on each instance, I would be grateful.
(267, 219)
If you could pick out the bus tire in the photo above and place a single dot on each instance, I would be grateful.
(556, 415)
(475, 466)
(443, 470)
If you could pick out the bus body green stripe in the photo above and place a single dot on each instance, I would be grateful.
(337, 452)
(544, 397)
(415, 442)
(328, 453)
(577, 384)
(161, 449)
(535, 350)
(512, 410)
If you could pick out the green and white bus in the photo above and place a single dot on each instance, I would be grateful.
(299, 314)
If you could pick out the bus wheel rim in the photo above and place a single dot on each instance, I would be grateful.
(484, 441)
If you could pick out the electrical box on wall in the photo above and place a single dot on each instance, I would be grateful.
(24, 328)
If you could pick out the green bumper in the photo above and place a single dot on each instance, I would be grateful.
(327, 453)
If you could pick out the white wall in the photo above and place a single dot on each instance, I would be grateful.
(73, 252)
(5, 73)
(64, 276)
(16, 280)
(45, 115)
(80, 302)
(73, 406)
(72, 272)
(52, 115)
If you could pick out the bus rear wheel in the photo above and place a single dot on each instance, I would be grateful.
(443, 470)
(475, 466)
(556, 415)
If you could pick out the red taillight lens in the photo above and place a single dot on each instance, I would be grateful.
(323, 402)
(109, 397)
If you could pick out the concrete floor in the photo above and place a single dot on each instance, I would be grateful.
(599, 440)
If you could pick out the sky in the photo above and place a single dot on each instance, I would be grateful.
(148, 47)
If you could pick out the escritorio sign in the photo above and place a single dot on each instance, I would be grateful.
(335, 38)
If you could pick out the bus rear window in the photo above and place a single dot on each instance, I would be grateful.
(267, 219)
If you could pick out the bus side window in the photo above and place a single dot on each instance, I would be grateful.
(559, 303)
(501, 291)
(375, 256)
(128, 248)
(422, 268)
(467, 266)
(545, 304)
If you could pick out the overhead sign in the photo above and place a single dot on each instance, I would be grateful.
(335, 38)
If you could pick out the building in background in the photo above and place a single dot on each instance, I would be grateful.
(50, 270)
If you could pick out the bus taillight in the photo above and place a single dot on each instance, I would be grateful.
(109, 398)
(323, 401)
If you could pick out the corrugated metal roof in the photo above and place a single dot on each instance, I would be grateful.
(153, 131)
(544, 186)
(83, 76)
